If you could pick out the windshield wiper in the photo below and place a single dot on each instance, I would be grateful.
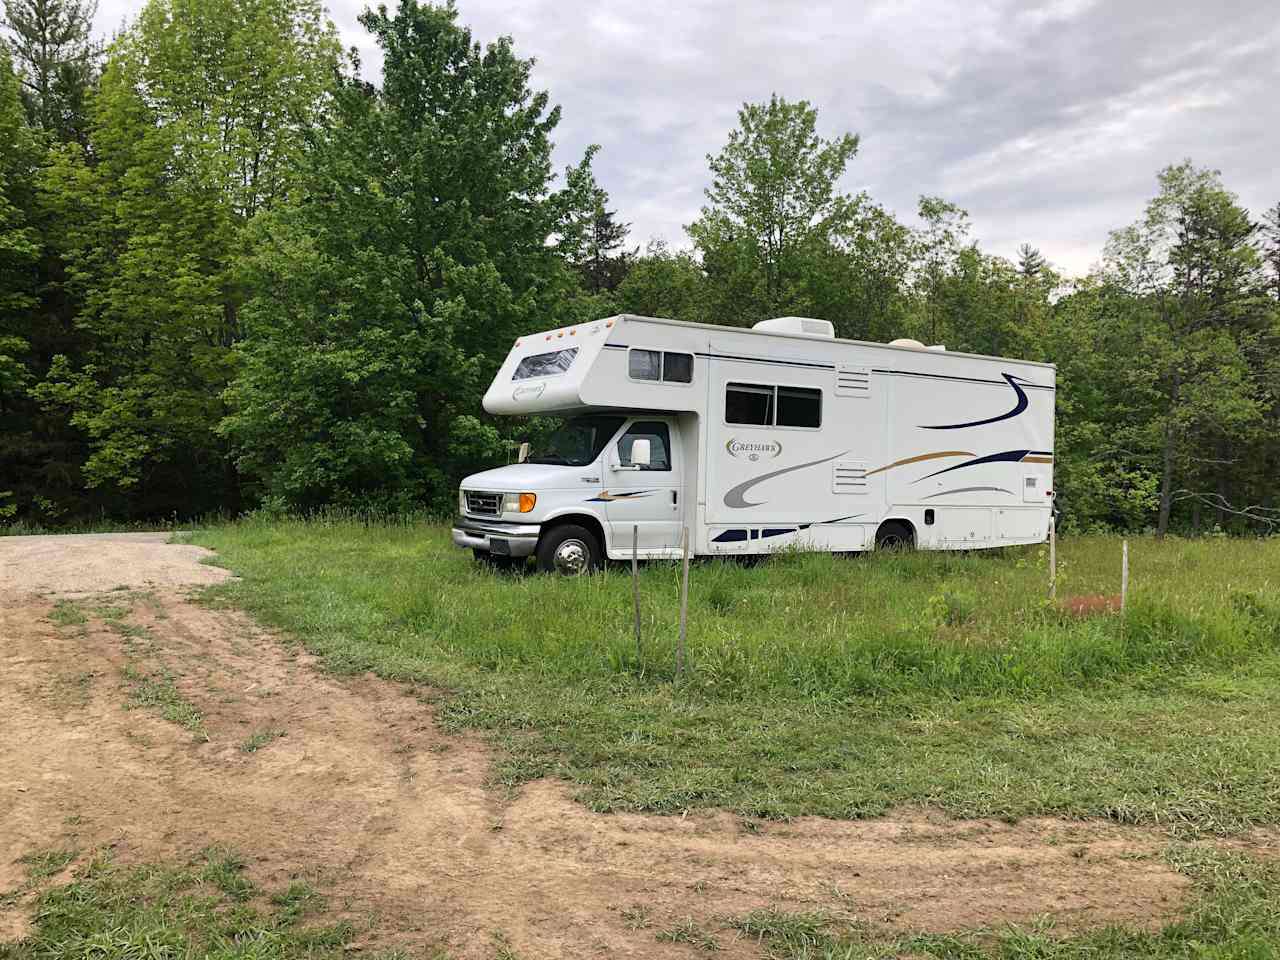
(556, 461)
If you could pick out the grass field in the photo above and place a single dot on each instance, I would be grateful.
(205, 908)
(820, 685)
(208, 908)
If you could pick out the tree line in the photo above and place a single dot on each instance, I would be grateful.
(236, 275)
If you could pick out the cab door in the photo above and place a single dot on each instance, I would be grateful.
(647, 497)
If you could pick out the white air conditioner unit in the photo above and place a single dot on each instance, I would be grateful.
(804, 326)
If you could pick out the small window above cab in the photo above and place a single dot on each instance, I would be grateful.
(545, 364)
(658, 366)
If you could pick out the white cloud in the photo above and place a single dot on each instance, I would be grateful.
(1047, 121)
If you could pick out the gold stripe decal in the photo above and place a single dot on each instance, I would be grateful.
(921, 457)
(1037, 459)
(606, 497)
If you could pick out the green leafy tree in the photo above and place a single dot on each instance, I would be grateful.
(20, 155)
(203, 114)
(1105, 473)
(664, 283)
(57, 57)
(1192, 263)
(422, 242)
(858, 276)
(19, 252)
(773, 199)
(940, 243)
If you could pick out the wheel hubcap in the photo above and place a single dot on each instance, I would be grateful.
(571, 558)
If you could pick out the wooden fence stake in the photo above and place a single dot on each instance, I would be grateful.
(684, 602)
(1124, 574)
(635, 584)
(1053, 558)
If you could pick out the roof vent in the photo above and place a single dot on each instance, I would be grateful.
(805, 326)
(911, 344)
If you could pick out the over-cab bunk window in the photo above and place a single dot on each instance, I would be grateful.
(545, 364)
(660, 366)
(764, 405)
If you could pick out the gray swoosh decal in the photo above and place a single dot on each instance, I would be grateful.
(735, 498)
(970, 490)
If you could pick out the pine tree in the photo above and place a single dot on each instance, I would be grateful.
(56, 57)
(1030, 263)
(1271, 248)
(604, 265)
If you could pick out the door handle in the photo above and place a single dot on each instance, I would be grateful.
(675, 497)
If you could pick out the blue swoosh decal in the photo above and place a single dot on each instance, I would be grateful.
(735, 498)
(1017, 409)
(740, 534)
(1008, 456)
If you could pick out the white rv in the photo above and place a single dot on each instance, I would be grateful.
(777, 436)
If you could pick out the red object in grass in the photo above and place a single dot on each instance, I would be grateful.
(1090, 605)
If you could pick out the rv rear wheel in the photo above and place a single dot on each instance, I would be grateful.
(895, 535)
(570, 551)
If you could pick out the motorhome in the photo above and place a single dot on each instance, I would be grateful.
(751, 440)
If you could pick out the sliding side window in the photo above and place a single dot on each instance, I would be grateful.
(799, 407)
(749, 404)
(768, 406)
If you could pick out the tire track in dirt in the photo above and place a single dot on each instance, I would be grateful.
(397, 824)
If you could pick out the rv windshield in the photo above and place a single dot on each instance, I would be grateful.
(577, 442)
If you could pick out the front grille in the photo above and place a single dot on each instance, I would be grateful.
(485, 504)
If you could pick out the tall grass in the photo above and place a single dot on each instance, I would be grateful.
(805, 625)
(819, 684)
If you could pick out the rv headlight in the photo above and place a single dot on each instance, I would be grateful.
(518, 502)
(462, 500)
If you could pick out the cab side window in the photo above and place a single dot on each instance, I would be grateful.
(659, 438)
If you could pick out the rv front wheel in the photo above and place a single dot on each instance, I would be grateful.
(569, 551)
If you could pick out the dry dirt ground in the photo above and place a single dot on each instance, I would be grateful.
(398, 823)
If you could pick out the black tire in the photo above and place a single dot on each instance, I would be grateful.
(895, 535)
(569, 550)
(496, 561)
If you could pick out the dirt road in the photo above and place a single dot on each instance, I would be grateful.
(353, 787)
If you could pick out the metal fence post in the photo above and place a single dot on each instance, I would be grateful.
(1124, 574)
(635, 584)
(684, 603)
(1053, 558)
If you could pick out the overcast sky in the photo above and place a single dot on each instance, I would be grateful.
(1046, 121)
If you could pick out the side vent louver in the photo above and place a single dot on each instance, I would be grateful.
(853, 381)
(849, 476)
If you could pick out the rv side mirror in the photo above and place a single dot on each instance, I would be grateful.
(523, 455)
(640, 452)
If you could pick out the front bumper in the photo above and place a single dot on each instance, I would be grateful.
(500, 537)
